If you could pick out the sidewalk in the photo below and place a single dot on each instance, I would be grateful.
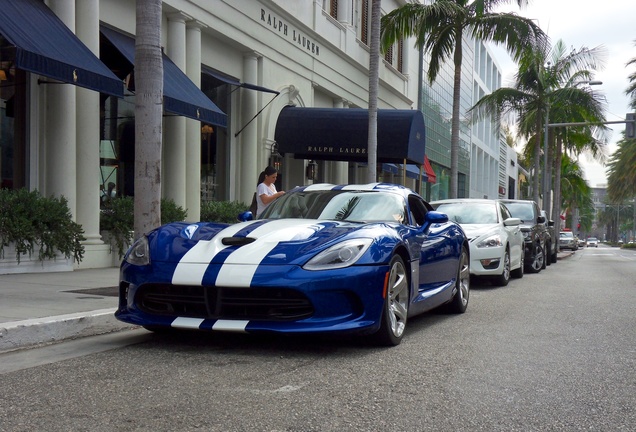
(38, 308)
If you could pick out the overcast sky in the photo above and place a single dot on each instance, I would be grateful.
(588, 23)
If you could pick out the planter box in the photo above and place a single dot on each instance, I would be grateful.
(9, 264)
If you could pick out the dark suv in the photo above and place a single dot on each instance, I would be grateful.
(535, 234)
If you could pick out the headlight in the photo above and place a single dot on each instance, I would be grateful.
(491, 241)
(341, 255)
(139, 253)
(526, 235)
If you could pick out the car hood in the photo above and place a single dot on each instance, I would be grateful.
(276, 242)
(474, 231)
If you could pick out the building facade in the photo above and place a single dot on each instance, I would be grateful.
(250, 59)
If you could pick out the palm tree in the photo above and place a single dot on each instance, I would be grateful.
(576, 192)
(621, 180)
(439, 29)
(148, 116)
(549, 81)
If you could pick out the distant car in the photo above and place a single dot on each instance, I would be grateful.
(320, 259)
(496, 241)
(534, 232)
(568, 241)
(592, 242)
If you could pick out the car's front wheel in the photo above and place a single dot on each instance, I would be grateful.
(504, 277)
(396, 305)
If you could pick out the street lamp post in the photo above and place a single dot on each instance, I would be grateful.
(546, 181)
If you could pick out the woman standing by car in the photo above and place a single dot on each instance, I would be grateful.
(266, 191)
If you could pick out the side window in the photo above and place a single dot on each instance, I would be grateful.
(417, 210)
(505, 214)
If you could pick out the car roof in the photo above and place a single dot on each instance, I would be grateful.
(375, 187)
(466, 200)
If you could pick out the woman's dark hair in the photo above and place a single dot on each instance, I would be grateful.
(269, 170)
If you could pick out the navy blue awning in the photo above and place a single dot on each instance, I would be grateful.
(233, 81)
(46, 46)
(180, 95)
(412, 171)
(341, 134)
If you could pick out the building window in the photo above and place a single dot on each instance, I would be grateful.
(394, 55)
(331, 7)
(363, 21)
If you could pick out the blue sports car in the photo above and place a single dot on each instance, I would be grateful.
(322, 258)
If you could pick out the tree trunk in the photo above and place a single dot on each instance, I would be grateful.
(537, 162)
(374, 78)
(457, 57)
(148, 116)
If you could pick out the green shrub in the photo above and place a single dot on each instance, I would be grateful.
(27, 219)
(222, 211)
(118, 217)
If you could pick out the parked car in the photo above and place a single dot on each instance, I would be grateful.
(496, 242)
(580, 242)
(322, 258)
(552, 244)
(568, 241)
(592, 242)
(534, 232)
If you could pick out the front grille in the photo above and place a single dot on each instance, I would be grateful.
(271, 304)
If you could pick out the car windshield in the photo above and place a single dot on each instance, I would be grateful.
(345, 205)
(593, 239)
(470, 213)
(522, 211)
(566, 235)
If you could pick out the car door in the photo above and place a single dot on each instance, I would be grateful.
(515, 238)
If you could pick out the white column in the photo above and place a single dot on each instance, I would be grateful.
(193, 127)
(87, 29)
(340, 168)
(174, 156)
(60, 145)
(249, 170)
(345, 12)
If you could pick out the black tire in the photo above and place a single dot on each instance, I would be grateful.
(548, 253)
(518, 272)
(396, 305)
(553, 256)
(459, 302)
(536, 264)
(504, 277)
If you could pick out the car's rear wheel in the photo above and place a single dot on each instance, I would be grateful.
(504, 277)
(537, 261)
(396, 305)
(459, 303)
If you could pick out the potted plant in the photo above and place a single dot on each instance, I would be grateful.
(117, 220)
(34, 227)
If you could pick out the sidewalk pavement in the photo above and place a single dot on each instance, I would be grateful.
(41, 308)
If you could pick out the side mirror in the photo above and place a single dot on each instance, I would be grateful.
(512, 222)
(436, 217)
(245, 216)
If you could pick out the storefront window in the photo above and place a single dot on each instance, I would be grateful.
(12, 120)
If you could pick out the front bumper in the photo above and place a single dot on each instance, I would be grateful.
(486, 261)
(285, 299)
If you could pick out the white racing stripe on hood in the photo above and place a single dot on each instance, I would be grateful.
(239, 268)
(194, 263)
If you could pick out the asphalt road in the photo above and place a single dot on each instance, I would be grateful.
(554, 351)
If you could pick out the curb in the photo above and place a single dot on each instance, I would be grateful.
(38, 331)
